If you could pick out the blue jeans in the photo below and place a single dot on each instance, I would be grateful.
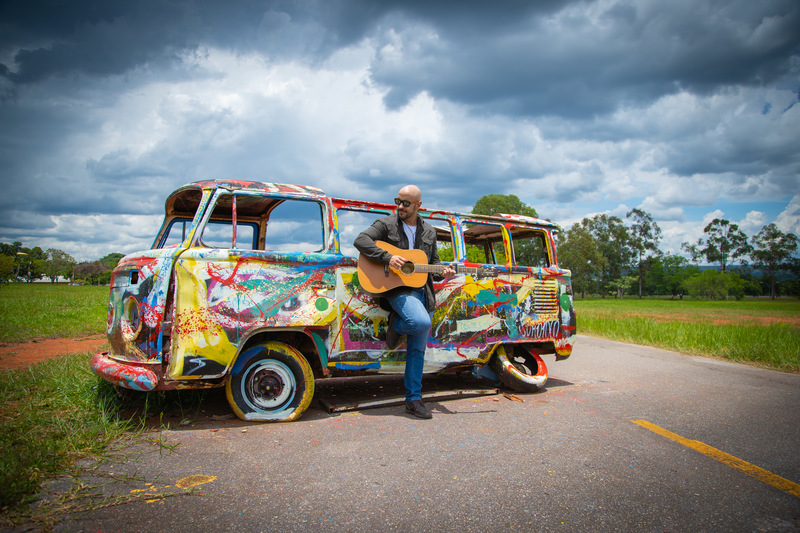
(414, 321)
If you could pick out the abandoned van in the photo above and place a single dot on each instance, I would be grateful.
(257, 288)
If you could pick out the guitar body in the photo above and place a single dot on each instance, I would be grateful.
(377, 279)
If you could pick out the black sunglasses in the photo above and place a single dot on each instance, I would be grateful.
(404, 203)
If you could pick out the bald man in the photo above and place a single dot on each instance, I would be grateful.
(411, 308)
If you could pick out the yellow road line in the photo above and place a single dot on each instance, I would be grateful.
(757, 472)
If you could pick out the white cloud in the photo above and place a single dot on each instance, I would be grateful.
(661, 212)
(753, 222)
(788, 221)
(709, 217)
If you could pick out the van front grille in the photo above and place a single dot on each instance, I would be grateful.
(545, 298)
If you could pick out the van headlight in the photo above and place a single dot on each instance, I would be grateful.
(131, 322)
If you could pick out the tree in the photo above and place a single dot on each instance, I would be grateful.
(694, 251)
(111, 259)
(668, 273)
(713, 285)
(644, 237)
(6, 268)
(773, 252)
(613, 243)
(724, 243)
(10, 249)
(494, 204)
(59, 263)
(32, 263)
(18, 259)
(37, 270)
(90, 271)
(509, 204)
(578, 252)
(620, 285)
(708, 284)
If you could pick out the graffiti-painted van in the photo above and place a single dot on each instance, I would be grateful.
(255, 287)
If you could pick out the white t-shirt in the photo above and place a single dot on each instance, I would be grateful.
(411, 233)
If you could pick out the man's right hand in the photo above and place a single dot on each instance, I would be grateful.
(397, 262)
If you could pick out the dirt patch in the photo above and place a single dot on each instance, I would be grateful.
(23, 354)
(720, 319)
(761, 321)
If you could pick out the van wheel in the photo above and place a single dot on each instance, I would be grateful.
(270, 382)
(519, 369)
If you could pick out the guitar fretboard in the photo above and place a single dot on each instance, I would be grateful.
(438, 269)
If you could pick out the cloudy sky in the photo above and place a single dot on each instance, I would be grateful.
(687, 109)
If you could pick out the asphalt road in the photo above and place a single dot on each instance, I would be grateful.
(569, 458)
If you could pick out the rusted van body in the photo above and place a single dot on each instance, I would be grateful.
(255, 287)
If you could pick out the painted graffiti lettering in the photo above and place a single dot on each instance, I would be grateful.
(542, 330)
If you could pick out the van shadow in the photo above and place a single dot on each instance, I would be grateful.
(384, 395)
(372, 395)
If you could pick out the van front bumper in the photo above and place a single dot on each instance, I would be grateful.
(129, 376)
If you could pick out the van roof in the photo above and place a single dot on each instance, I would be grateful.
(309, 191)
(255, 186)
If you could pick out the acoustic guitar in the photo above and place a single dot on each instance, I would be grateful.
(377, 279)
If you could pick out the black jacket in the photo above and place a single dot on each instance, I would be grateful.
(390, 229)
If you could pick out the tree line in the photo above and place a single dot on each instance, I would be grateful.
(18, 263)
(611, 256)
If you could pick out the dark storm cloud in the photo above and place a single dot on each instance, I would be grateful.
(93, 38)
(581, 63)
(515, 57)
(110, 37)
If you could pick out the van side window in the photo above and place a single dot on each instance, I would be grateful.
(484, 243)
(530, 247)
(444, 244)
(219, 234)
(219, 231)
(295, 226)
(354, 221)
(176, 232)
(351, 223)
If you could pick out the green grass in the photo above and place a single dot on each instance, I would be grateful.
(31, 311)
(51, 414)
(759, 331)
(56, 412)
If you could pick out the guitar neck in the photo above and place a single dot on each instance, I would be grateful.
(438, 269)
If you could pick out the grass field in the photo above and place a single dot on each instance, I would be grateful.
(41, 311)
(760, 331)
(50, 415)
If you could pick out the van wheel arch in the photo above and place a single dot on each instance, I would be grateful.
(520, 368)
(298, 339)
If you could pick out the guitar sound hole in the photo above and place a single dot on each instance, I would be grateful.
(408, 268)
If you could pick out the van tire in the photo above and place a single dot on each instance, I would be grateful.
(270, 382)
(519, 369)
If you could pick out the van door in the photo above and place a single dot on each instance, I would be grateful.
(227, 288)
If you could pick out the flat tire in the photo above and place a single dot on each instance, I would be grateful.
(270, 382)
(519, 369)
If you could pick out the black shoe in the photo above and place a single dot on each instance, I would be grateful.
(392, 337)
(418, 409)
